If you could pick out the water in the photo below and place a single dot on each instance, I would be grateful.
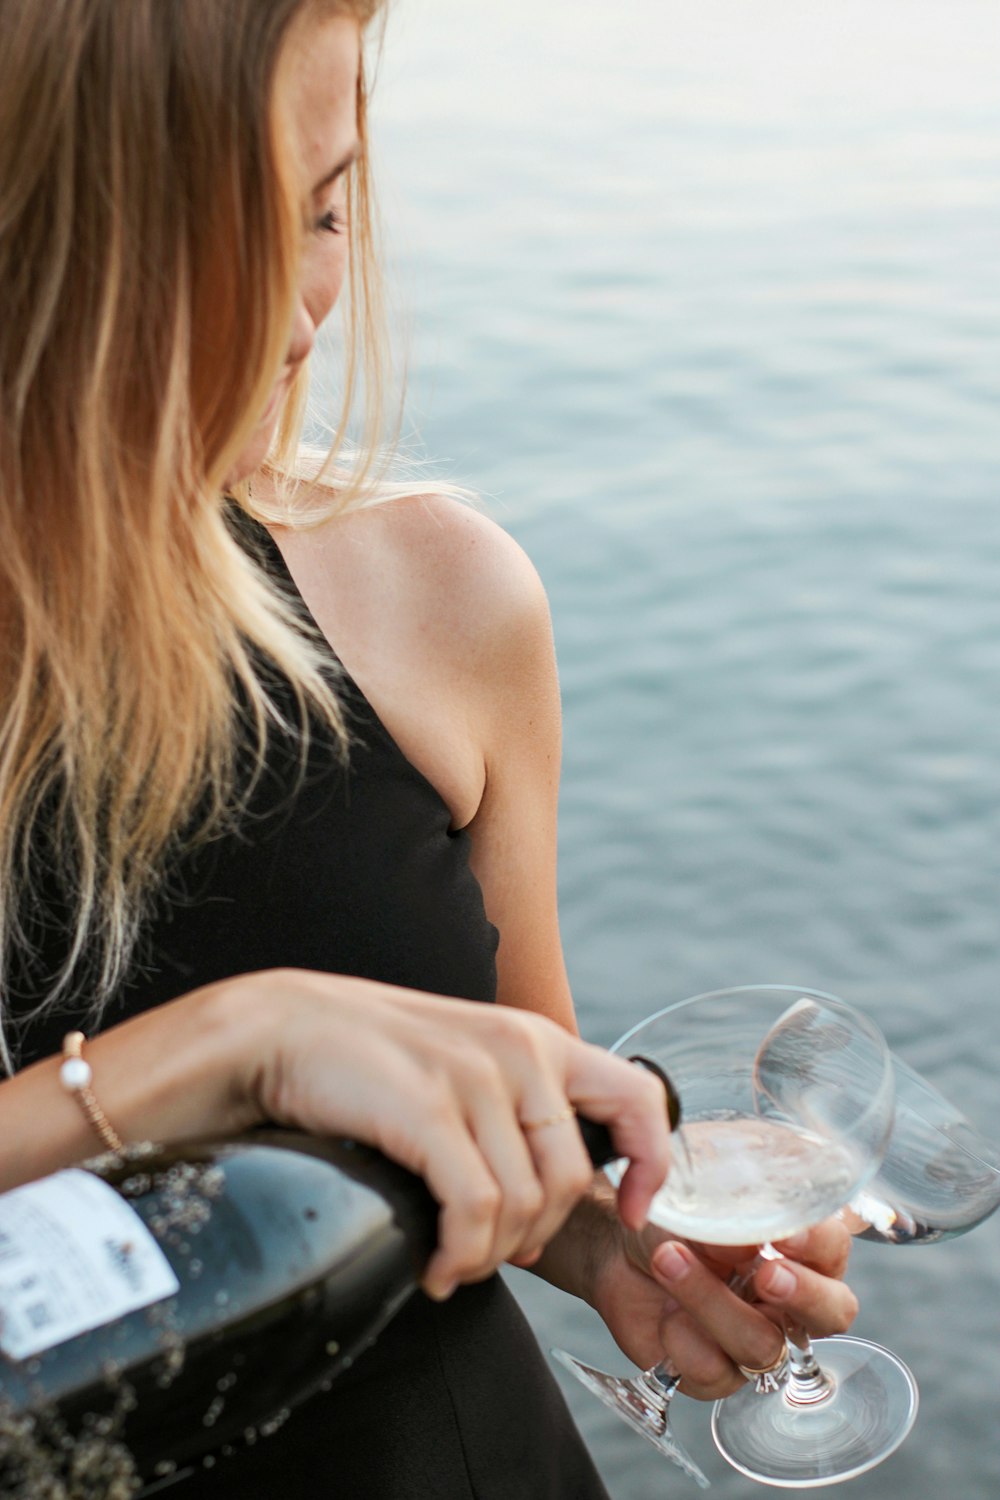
(705, 298)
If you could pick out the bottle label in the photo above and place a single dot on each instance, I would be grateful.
(73, 1256)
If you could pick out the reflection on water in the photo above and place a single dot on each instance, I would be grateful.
(706, 298)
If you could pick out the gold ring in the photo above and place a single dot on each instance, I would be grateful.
(569, 1113)
(768, 1377)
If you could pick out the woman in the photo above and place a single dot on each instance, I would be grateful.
(277, 770)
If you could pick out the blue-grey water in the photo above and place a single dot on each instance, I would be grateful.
(704, 298)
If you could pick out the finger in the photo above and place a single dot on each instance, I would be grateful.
(525, 1259)
(745, 1334)
(537, 1160)
(816, 1302)
(457, 1175)
(527, 1213)
(632, 1103)
(707, 1372)
(826, 1247)
(731, 1263)
(563, 1169)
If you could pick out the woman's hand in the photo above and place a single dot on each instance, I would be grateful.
(664, 1299)
(474, 1098)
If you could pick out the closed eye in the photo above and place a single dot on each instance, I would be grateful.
(332, 222)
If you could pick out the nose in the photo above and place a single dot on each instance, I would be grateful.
(303, 335)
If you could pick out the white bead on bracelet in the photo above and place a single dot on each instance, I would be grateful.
(76, 1076)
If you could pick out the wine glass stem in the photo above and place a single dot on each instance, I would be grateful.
(807, 1385)
(657, 1387)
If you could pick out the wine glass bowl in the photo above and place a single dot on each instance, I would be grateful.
(939, 1177)
(787, 1099)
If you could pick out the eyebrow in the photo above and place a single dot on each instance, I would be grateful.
(341, 166)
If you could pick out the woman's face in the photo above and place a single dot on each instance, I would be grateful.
(321, 76)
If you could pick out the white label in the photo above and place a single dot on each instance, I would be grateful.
(73, 1256)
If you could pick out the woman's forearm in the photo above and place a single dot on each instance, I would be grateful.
(173, 1073)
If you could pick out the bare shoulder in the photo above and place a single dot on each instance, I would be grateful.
(437, 569)
(445, 541)
(467, 573)
(441, 617)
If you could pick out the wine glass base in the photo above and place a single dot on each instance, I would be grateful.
(625, 1399)
(870, 1409)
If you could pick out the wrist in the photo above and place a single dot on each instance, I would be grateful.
(234, 1021)
(176, 1072)
(576, 1259)
(184, 1069)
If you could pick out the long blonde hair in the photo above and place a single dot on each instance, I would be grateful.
(149, 242)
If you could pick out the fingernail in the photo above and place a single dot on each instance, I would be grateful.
(780, 1282)
(673, 1262)
(442, 1291)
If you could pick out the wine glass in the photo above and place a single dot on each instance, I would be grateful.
(846, 1403)
(750, 1167)
(940, 1176)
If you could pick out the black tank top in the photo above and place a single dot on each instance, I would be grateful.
(349, 869)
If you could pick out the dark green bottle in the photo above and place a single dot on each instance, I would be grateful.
(288, 1254)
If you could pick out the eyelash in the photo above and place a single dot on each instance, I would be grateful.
(332, 222)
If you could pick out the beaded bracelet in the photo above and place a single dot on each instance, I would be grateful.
(75, 1075)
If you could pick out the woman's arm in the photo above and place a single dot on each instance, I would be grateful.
(514, 831)
(170, 1074)
(657, 1304)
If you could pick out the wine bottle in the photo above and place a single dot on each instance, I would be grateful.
(159, 1306)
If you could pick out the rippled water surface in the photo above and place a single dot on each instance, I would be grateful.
(705, 297)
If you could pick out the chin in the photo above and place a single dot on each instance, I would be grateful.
(252, 456)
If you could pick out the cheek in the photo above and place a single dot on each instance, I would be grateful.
(323, 277)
